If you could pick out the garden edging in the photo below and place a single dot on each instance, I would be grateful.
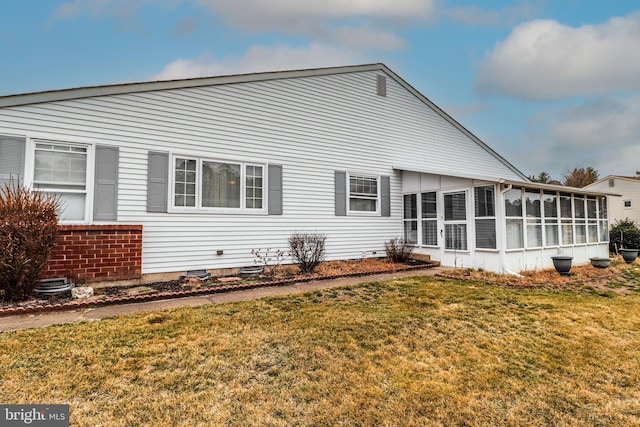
(75, 305)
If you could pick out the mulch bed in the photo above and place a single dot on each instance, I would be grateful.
(190, 287)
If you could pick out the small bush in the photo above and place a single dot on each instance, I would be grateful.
(398, 250)
(307, 250)
(28, 231)
(269, 260)
(624, 234)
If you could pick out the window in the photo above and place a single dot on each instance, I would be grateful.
(566, 219)
(603, 223)
(62, 169)
(513, 210)
(209, 184)
(363, 193)
(592, 220)
(410, 218)
(221, 184)
(550, 202)
(485, 217)
(627, 203)
(534, 218)
(185, 183)
(455, 221)
(580, 219)
(254, 187)
(429, 214)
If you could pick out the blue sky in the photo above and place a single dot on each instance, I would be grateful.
(549, 84)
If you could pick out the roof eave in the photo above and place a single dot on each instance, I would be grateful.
(124, 88)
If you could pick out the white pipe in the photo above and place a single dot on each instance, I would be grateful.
(512, 273)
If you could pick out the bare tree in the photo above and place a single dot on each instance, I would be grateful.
(580, 177)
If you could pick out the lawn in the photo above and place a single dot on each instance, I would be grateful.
(415, 351)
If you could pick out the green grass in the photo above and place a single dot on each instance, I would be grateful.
(407, 352)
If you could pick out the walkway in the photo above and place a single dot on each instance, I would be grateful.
(18, 322)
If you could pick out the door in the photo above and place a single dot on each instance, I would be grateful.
(454, 230)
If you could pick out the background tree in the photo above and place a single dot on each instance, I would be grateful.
(544, 178)
(580, 177)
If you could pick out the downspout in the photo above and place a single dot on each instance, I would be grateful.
(503, 249)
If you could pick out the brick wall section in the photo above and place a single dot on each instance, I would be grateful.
(91, 253)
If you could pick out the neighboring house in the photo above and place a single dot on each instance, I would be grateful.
(163, 177)
(626, 206)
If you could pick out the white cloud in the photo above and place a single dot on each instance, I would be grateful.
(602, 133)
(544, 59)
(476, 16)
(363, 24)
(269, 14)
(119, 10)
(261, 58)
(366, 38)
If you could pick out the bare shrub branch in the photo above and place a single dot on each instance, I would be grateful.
(307, 250)
(28, 231)
(398, 250)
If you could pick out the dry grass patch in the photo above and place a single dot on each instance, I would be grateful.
(407, 352)
(620, 278)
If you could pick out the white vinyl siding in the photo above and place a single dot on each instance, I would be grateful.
(312, 126)
(625, 206)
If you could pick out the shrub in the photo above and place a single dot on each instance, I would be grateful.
(269, 260)
(624, 234)
(307, 250)
(398, 250)
(28, 231)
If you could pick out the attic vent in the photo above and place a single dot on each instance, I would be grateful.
(612, 182)
(381, 85)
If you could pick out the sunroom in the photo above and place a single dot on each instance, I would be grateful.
(502, 225)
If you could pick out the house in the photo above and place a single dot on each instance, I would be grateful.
(160, 178)
(626, 206)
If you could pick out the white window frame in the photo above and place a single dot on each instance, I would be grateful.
(485, 218)
(198, 205)
(349, 196)
(423, 220)
(411, 220)
(29, 175)
(516, 219)
(454, 222)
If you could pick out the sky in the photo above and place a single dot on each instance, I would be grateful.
(550, 85)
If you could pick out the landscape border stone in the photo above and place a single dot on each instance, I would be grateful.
(75, 305)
